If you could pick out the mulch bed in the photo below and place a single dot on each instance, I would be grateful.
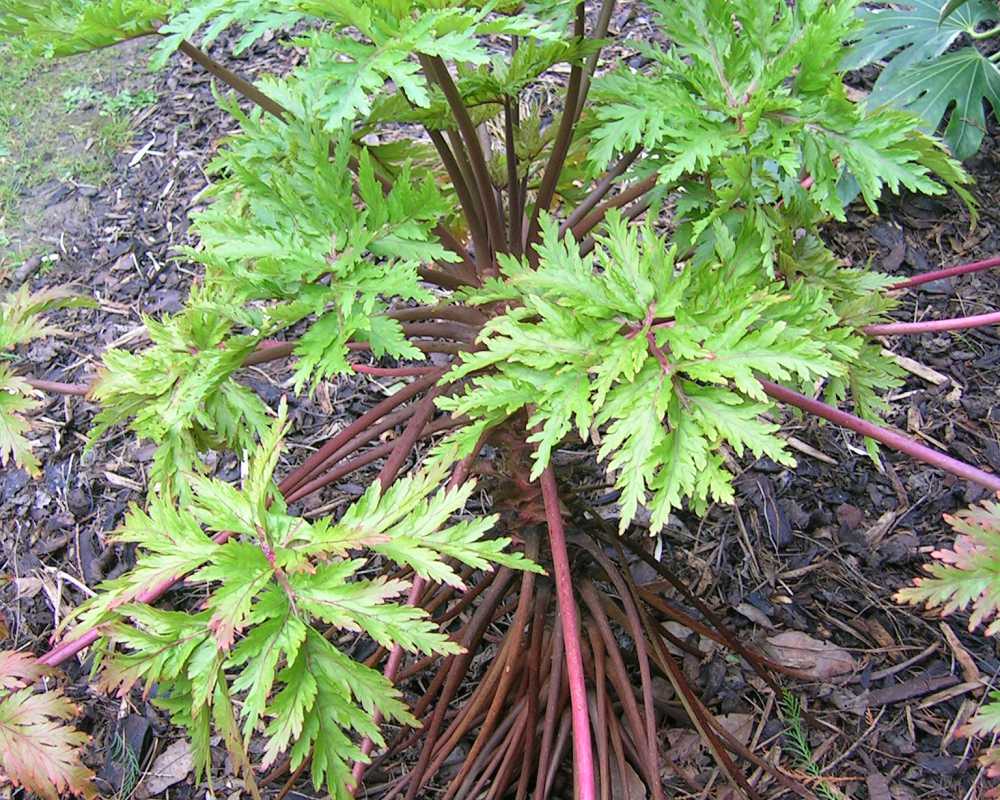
(818, 549)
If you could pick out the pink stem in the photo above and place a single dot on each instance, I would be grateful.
(933, 325)
(393, 372)
(888, 437)
(66, 650)
(583, 758)
(961, 269)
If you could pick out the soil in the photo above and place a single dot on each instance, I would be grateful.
(818, 549)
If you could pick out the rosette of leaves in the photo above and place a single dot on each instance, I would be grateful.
(967, 577)
(925, 73)
(661, 357)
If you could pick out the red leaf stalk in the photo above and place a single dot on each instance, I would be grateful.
(948, 272)
(934, 325)
(890, 438)
(583, 757)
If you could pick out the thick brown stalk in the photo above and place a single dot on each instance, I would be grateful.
(369, 456)
(480, 240)
(302, 473)
(244, 87)
(890, 438)
(494, 221)
(465, 314)
(624, 197)
(456, 331)
(515, 211)
(933, 325)
(583, 759)
(600, 191)
(599, 32)
(560, 147)
(423, 345)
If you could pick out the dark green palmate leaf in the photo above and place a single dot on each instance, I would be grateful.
(962, 82)
(920, 77)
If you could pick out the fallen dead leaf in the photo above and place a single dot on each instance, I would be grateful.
(800, 651)
(630, 785)
(171, 766)
(740, 726)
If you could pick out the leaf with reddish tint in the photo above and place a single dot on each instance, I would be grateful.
(18, 669)
(38, 751)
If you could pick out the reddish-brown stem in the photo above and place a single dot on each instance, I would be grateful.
(934, 325)
(456, 331)
(335, 474)
(601, 190)
(241, 85)
(625, 196)
(411, 433)
(564, 137)
(423, 345)
(890, 438)
(57, 387)
(392, 372)
(582, 753)
(494, 221)
(513, 193)
(298, 476)
(269, 352)
(948, 272)
(466, 314)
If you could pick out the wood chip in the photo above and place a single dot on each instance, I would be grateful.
(915, 687)
(918, 369)
(807, 449)
(122, 482)
(947, 694)
(969, 669)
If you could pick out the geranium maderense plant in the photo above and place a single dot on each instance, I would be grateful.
(639, 266)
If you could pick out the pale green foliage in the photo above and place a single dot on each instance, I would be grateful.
(921, 75)
(270, 589)
(65, 27)
(968, 577)
(20, 323)
(745, 106)
(663, 357)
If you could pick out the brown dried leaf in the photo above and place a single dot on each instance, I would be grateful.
(172, 766)
(800, 651)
